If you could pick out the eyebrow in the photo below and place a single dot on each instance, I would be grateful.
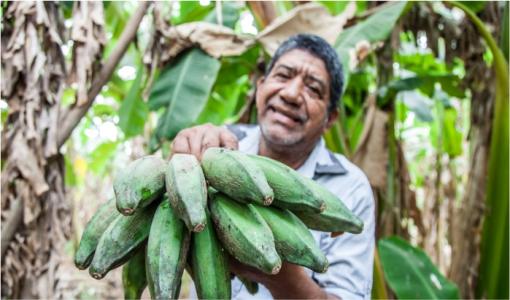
(288, 68)
(310, 77)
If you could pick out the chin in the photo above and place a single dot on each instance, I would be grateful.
(279, 136)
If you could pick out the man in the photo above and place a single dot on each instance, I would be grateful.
(296, 102)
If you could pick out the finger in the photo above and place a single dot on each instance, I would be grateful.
(337, 233)
(180, 145)
(211, 139)
(195, 142)
(228, 140)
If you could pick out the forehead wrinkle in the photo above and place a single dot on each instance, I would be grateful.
(309, 74)
(284, 66)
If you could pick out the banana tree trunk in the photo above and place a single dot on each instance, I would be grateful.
(36, 218)
(488, 182)
(34, 76)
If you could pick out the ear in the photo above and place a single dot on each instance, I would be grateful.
(332, 117)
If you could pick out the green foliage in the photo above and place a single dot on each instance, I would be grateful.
(117, 16)
(190, 11)
(375, 28)
(430, 71)
(504, 33)
(68, 97)
(475, 6)
(4, 113)
(67, 8)
(183, 88)
(70, 176)
(425, 82)
(445, 136)
(335, 7)
(231, 88)
(223, 102)
(410, 273)
(229, 14)
(420, 105)
(133, 111)
(101, 156)
(283, 6)
(104, 110)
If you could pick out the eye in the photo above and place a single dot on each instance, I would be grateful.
(315, 90)
(282, 75)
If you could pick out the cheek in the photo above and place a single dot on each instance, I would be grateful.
(259, 101)
(264, 93)
(318, 115)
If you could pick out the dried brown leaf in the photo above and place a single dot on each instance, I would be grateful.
(89, 39)
(27, 164)
(372, 153)
(216, 40)
(310, 18)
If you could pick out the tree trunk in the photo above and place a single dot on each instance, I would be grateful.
(36, 217)
(34, 76)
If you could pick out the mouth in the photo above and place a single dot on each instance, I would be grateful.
(286, 117)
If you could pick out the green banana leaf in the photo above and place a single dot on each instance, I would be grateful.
(493, 275)
(375, 28)
(230, 90)
(191, 11)
(133, 111)
(475, 6)
(410, 273)
(229, 14)
(431, 69)
(183, 88)
(425, 83)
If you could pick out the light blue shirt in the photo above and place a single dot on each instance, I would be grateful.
(350, 256)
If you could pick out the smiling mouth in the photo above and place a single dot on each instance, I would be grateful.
(296, 118)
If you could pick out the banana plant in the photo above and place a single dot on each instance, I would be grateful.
(410, 272)
(493, 271)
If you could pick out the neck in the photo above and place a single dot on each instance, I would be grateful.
(292, 156)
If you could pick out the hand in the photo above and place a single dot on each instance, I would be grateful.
(336, 233)
(291, 282)
(248, 272)
(196, 140)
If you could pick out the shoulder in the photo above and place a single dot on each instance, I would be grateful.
(352, 185)
(354, 173)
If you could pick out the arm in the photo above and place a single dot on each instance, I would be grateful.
(291, 282)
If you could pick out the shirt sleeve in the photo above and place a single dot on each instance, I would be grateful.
(351, 256)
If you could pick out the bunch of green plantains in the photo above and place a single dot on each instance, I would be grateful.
(255, 209)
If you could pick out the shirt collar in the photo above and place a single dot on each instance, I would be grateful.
(320, 162)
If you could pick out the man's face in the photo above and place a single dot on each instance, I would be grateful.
(293, 100)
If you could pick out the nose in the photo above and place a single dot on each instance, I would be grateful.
(291, 92)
